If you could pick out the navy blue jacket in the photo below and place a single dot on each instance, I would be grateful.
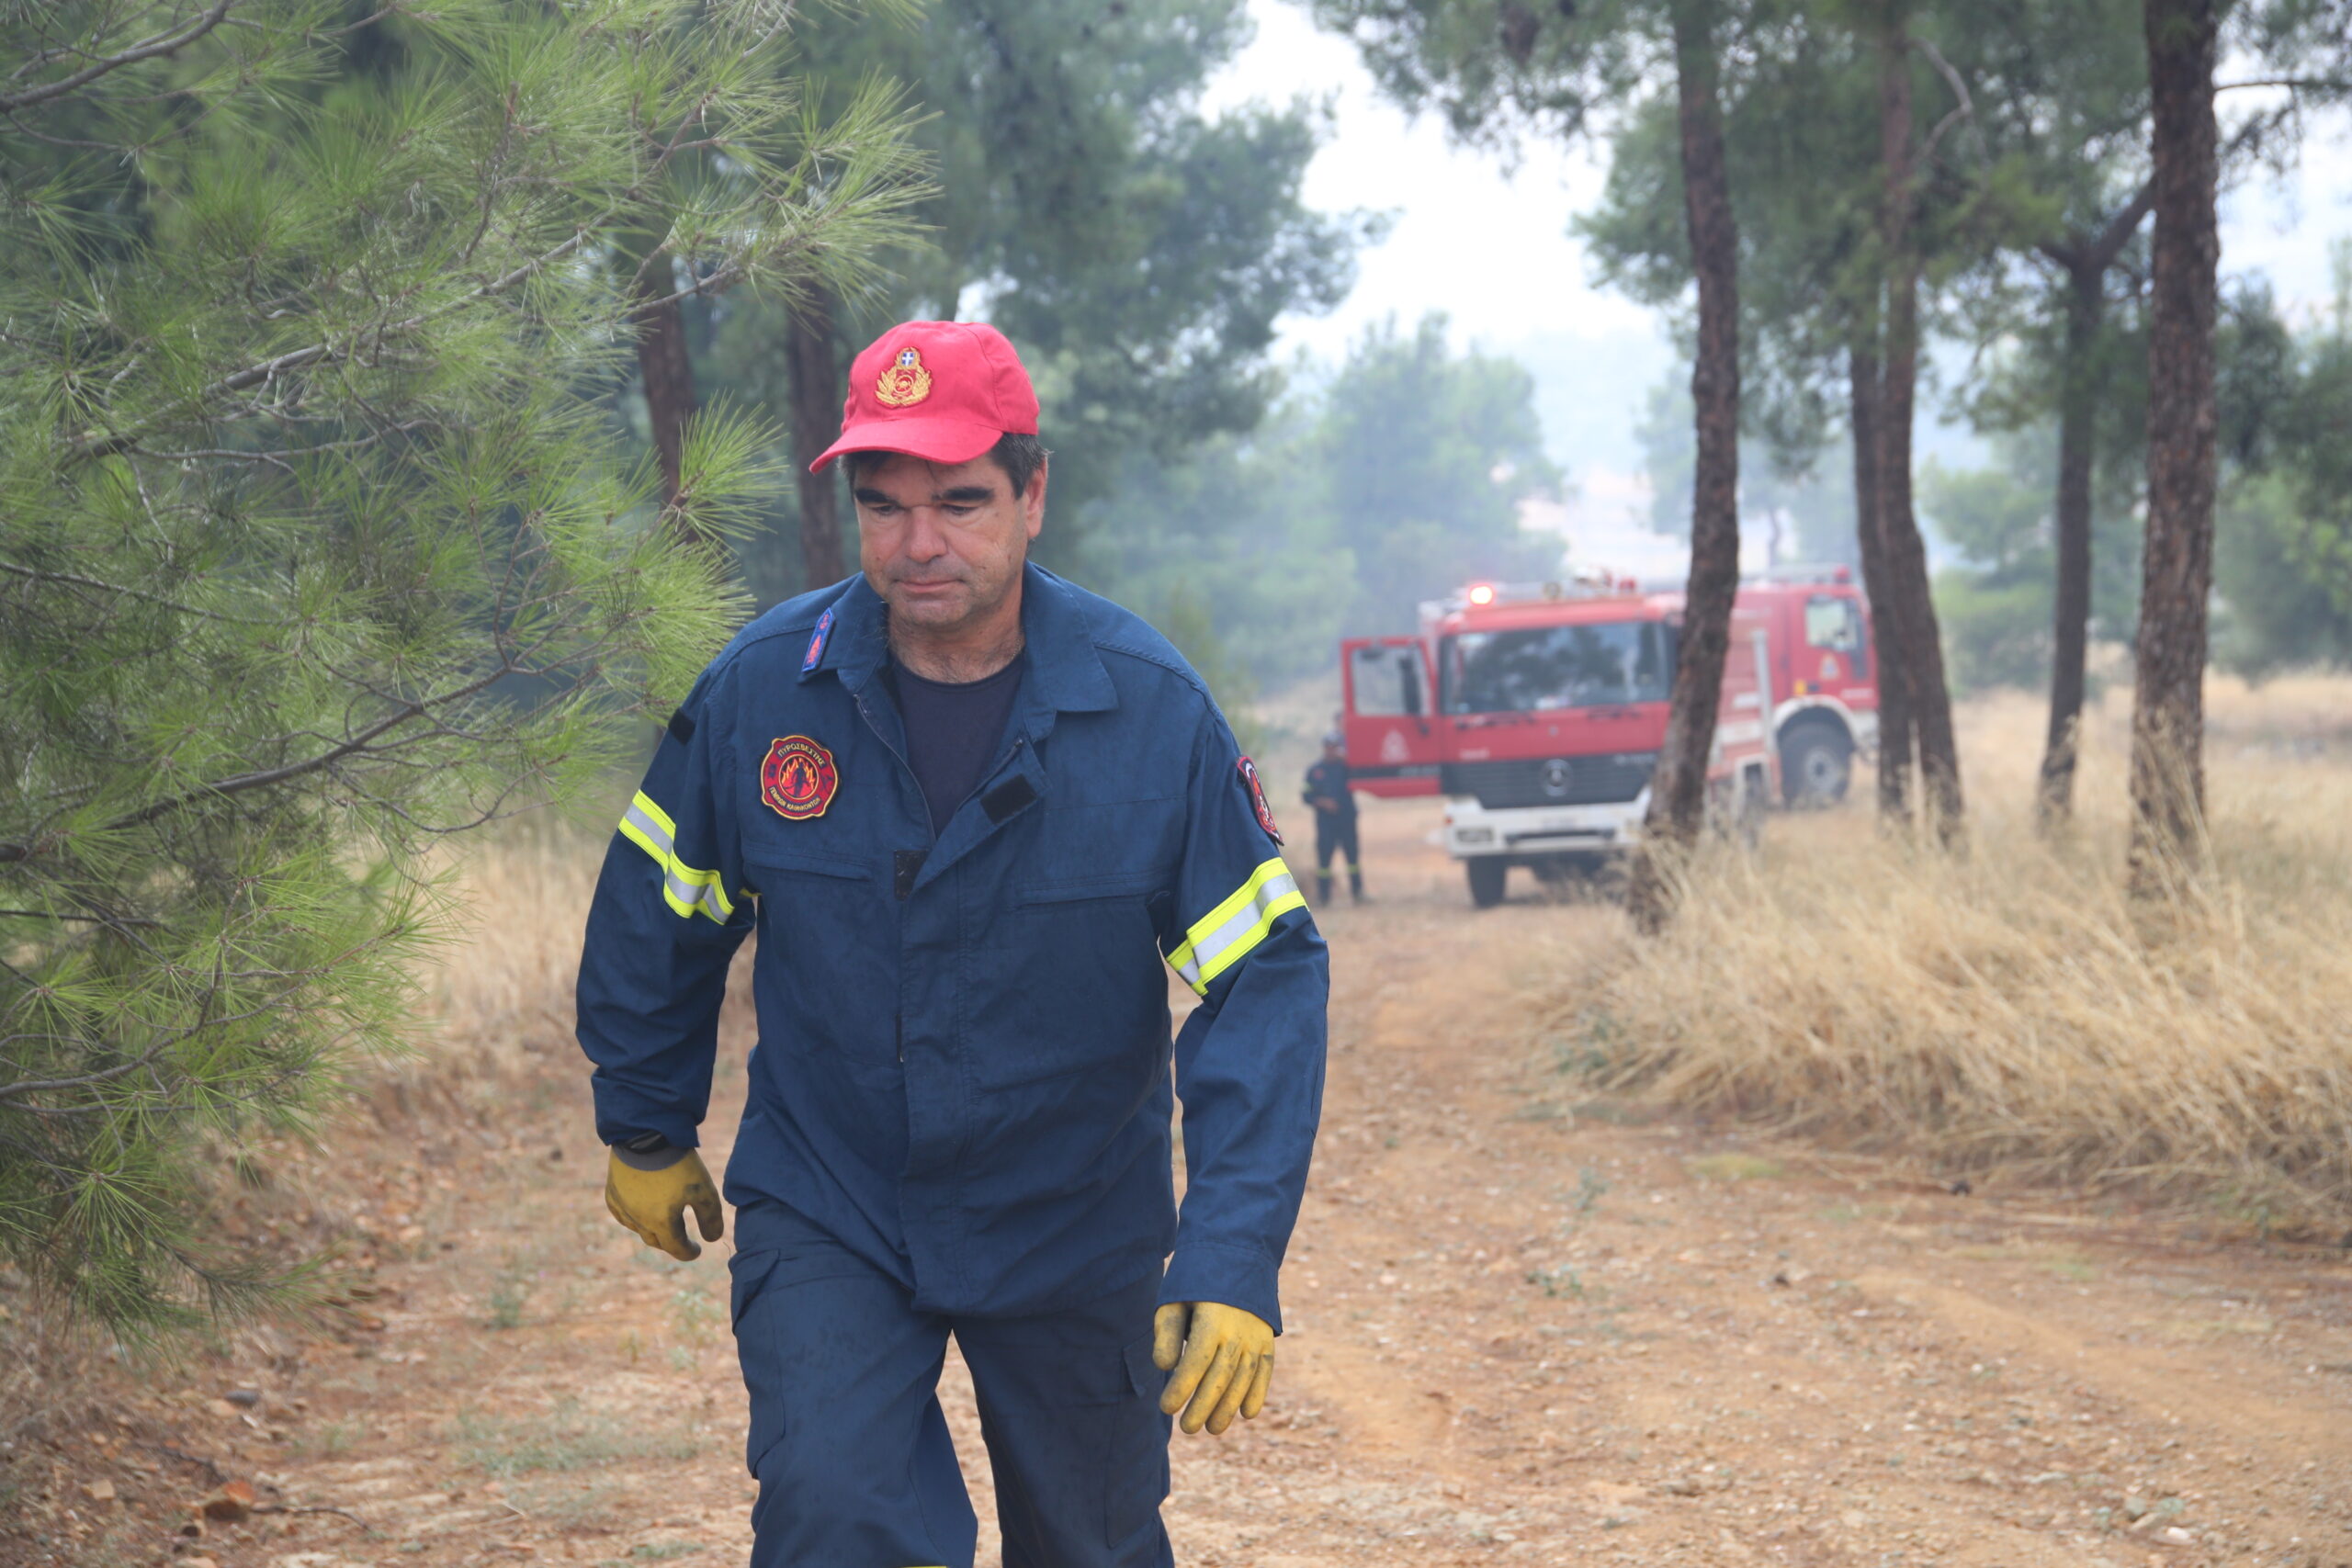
(964, 1041)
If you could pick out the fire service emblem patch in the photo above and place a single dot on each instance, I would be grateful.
(798, 778)
(1258, 800)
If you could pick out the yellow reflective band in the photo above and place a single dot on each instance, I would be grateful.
(1225, 936)
(687, 890)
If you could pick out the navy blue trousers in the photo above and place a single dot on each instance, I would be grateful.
(855, 1466)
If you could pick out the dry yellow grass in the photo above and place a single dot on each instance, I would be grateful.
(2009, 1006)
(498, 1012)
(509, 977)
(497, 1007)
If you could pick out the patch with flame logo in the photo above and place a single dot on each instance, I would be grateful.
(1257, 788)
(904, 382)
(798, 778)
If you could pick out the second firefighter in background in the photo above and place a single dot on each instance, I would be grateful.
(1335, 819)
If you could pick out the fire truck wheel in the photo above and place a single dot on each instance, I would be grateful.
(1487, 876)
(1816, 764)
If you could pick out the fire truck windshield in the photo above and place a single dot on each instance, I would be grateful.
(1594, 665)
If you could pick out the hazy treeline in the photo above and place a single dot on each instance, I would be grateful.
(1368, 490)
(2035, 268)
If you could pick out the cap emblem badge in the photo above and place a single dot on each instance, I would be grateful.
(904, 381)
(798, 778)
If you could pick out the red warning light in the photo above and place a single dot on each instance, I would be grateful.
(1842, 575)
(1482, 594)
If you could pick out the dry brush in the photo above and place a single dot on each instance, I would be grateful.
(2013, 1008)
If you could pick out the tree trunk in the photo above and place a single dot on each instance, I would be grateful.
(1679, 791)
(1912, 605)
(813, 366)
(2070, 628)
(2168, 703)
(1893, 676)
(667, 373)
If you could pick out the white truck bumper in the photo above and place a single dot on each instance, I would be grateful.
(1472, 830)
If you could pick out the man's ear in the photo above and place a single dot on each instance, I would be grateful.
(1032, 502)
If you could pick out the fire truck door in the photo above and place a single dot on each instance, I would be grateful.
(1393, 738)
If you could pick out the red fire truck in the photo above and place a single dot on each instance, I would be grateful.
(1537, 710)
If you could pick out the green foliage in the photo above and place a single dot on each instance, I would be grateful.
(1500, 69)
(1996, 629)
(313, 548)
(1800, 503)
(1428, 454)
(1996, 609)
(2275, 613)
(2283, 543)
(1184, 619)
(1801, 109)
(1240, 527)
(1997, 518)
(1396, 479)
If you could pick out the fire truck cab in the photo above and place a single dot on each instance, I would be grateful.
(1537, 710)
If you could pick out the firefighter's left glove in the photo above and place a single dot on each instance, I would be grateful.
(1223, 1361)
(650, 1193)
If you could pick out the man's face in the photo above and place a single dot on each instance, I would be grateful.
(943, 547)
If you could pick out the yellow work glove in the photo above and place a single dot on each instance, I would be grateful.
(653, 1203)
(1223, 1360)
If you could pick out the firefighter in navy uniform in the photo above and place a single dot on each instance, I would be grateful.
(1335, 819)
(969, 809)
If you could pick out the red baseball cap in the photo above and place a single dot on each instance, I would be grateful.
(943, 391)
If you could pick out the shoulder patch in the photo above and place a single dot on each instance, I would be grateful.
(1257, 788)
(816, 642)
(680, 727)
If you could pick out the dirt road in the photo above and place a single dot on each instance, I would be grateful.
(1523, 1329)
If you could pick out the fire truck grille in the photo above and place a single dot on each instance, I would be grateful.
(1552, 781)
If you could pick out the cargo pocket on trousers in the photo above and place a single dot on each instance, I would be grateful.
(1139, 1442)
(756, 1348)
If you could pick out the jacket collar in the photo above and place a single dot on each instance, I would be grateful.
(1066, 673)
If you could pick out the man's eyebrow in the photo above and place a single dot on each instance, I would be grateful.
(962, 495)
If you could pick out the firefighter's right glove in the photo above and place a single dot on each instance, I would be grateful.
(651, 1194)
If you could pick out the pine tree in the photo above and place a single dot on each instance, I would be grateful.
(313, 549)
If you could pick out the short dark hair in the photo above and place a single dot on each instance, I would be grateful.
(1019, 455)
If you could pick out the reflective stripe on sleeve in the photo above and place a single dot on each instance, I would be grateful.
(1223, 937)
(685, 889)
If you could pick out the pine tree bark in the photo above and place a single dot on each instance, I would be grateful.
(1895, 743)
(1912, 606)
(2070, 628)
(1678, 789)
(812, 363)
(2168, 700)
(2086, 259)
(666, 373)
